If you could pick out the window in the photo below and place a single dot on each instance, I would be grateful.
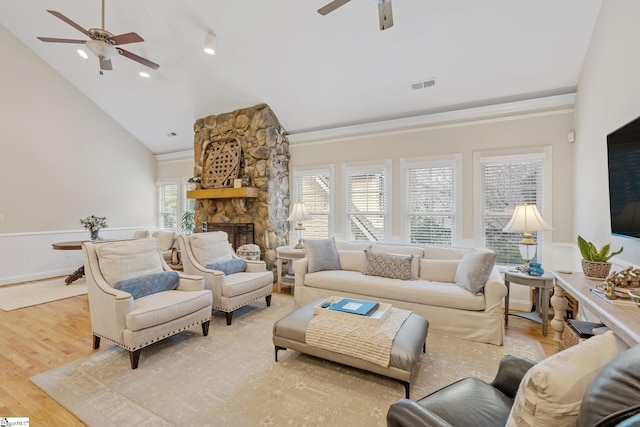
(506, 182)
(314, 188)
(367, 200)
(168, 204)
(431, 199)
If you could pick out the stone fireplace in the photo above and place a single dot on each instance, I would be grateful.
(263, 164)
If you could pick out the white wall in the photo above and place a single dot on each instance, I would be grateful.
(608, 97)
(61, 158)
(465, 138)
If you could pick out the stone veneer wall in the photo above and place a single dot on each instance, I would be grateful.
(265, 158)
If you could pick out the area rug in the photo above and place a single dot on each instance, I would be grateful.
(20, 296)
(230, 378)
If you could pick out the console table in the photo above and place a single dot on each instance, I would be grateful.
(623, 320)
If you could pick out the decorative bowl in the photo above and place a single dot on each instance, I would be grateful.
(635, 296)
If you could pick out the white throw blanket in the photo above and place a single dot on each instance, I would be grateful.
(363, 341)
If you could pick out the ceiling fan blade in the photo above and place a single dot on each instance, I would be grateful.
(126, 38)
(332, 6)
(137, 58)
(55, 40)
(69, 21)
(385, 14)
(105, 64)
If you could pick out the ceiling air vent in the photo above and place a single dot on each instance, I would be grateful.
(171, 134)
(423, 84)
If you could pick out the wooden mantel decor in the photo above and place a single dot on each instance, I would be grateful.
(223, 193)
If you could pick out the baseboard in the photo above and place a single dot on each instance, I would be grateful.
(34, 276)
(519, 305)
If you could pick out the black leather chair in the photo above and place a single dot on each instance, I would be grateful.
(612, 399)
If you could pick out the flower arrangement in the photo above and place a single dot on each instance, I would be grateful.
(94, 224)
(194, 179)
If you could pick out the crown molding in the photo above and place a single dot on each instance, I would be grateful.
(175, 156)
(558, 104)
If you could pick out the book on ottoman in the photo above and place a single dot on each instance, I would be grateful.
(355, 306)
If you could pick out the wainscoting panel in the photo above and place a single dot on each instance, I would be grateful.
(30, 256)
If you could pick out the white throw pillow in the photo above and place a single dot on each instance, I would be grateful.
(210, 247)
(165, 239)
(439, 270)
(352, 260)
(551, 392)
(127, 259)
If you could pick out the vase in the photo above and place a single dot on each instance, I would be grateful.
(95, 234)
(597, 270)
(535, 269)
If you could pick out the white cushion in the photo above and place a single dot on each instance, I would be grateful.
(165, 239)
(210, 247)
(439, 270)
(551, 392)
(443, 252)
(127, 259)
(141, 234)
(345, 245)
(352, 260)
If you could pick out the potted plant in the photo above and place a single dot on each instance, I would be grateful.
(595, 261)
(193, 182)
(188, 223)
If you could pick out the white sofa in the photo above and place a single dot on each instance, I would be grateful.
(434, 295)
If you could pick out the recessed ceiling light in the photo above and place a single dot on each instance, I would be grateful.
(82, 53)
(144, 73)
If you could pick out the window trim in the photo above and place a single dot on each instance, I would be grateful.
(386, 165)
(454, 160)
(543, 152)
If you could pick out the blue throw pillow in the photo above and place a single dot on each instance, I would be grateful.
(234, 265)
(146, 285)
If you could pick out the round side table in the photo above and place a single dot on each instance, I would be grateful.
(289, 254)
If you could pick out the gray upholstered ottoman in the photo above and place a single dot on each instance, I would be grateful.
(289, 333)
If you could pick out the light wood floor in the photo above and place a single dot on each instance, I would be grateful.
(37, 339)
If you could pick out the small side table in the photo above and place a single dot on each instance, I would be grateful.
(543, 285)
(290, 254)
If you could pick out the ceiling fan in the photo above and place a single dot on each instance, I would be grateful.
(103, 44)
(384, 11)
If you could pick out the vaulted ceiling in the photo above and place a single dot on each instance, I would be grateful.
(315, 72)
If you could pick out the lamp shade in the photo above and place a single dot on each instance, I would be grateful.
(299, 213)
(526, 219)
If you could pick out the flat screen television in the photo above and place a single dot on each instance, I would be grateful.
(623, 150)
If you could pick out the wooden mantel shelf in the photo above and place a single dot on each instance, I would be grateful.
(223, 193)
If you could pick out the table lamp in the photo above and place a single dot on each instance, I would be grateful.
(299, 214)
(526, 219)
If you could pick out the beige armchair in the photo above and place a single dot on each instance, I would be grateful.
(230, 291)
(133, 298)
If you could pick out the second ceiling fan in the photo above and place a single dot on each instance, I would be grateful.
(384, 11)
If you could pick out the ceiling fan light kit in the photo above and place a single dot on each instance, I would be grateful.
(102, 43)
(385, 14)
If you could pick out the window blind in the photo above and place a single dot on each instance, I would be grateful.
(313, 188)
(431, 199)
(505, 185)
(366, 203)
(168, 205)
